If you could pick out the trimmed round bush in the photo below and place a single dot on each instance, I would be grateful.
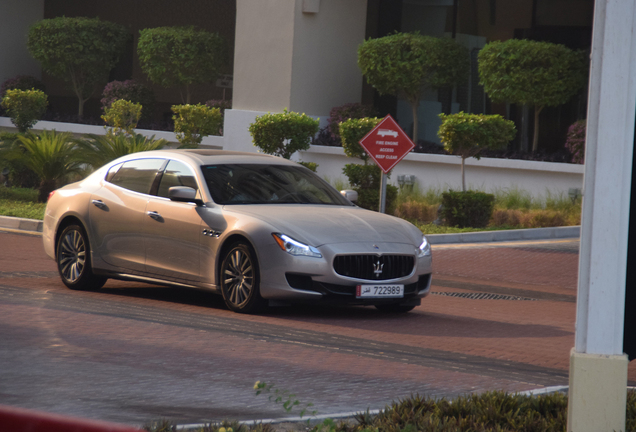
(193, 122)
(283, 134)
(25, 107)
(122, 116)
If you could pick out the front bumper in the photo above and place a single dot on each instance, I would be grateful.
(304, 279)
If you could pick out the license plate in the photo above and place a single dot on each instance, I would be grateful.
(380, 291)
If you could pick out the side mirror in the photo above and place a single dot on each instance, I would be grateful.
(349, 194)
(184, 194)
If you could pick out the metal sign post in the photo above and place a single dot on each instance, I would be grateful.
(383, 194)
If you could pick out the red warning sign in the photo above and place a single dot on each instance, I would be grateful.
(387, 144)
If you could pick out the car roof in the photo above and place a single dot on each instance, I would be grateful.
(212, 157)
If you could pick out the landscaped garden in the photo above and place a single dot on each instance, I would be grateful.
(403, 63)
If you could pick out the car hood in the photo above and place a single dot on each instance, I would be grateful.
(320, 225)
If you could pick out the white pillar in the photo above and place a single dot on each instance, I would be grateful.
(598, 367)
(297, 54)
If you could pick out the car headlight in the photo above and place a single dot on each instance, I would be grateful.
(424, 249)
(294, 247)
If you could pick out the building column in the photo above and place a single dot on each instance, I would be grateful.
(295, 54)
(598, 367)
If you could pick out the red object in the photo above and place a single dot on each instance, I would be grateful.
(22, 420)
(387, 144)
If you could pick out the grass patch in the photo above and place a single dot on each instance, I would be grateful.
(22, 209)
(21, 202)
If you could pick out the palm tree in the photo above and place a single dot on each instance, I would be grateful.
(50, 155)
(98, 150)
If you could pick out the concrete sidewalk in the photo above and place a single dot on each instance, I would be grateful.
(33, 226)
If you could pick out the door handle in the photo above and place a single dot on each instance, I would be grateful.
(100, 204)
(156, 216)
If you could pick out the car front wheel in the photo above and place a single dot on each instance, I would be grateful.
(74, 261)
(240, 279)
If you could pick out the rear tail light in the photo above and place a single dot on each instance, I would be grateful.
(50, 196)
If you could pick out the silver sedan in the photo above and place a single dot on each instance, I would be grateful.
(256, 229)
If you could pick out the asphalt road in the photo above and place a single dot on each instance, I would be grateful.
(501, 317)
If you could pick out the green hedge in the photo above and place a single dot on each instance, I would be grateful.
(467, 209)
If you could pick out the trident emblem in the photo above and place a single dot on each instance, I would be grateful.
(377, 268)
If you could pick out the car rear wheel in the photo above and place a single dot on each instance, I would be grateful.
(395, 308)
(240, 279)
(74, 260)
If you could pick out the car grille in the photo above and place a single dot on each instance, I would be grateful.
(374, 267)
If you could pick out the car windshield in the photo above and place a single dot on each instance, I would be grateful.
(268, 184)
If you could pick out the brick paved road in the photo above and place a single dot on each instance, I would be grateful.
(131, 353)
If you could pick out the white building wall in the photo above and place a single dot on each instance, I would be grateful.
(443, 172)
(16, 16)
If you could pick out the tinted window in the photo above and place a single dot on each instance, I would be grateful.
(112, 171)
(176, 174)
(268, 184)
(137, 175)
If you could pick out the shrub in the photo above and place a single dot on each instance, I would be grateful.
(122, 116)
(25, 107)
(310, 165)
(575, 142)
(420, 212)
(80, 50)
(531, 73)
(193, 122)
(348, 111)
(97, 150)
(180, 57)
(366, 180)
(407, 63)
(466, 135)
(21, 82)
(467, 208)
(19, 175)
(283, 134)
(352, 131)
(132, 91)
(50, 155)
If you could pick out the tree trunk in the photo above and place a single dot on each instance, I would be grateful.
(415, 131)
(463, 176)
(46, 187)
(535, 136)
(80, 109)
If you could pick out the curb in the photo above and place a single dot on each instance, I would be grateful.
(34, 226)
(506, 235)
(20, 224)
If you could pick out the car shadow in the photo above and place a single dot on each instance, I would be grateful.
(419, 322)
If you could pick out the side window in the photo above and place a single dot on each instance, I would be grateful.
(176, 174)
(112, 171)
(137, 175)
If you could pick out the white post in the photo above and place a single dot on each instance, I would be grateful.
(598, 367)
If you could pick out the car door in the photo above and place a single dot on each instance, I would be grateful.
(172, 230)
(117, 212)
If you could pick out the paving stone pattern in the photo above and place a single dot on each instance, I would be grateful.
(132, 353)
